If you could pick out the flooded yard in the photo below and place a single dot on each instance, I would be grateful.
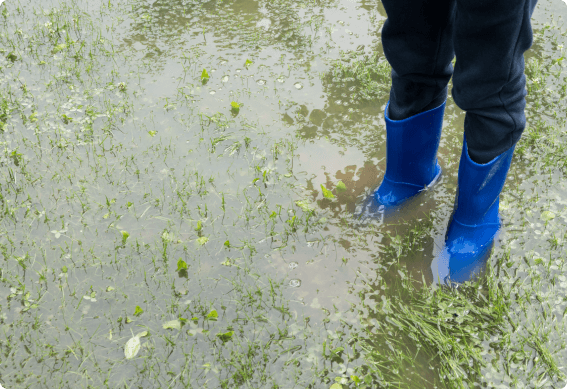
(178, 188)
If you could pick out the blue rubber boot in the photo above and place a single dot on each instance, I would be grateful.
(475, 219)
(411, 156)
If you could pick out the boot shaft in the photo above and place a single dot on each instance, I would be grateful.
(479, 188)
(411, 146)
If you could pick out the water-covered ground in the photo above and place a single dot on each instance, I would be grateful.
(177, 187)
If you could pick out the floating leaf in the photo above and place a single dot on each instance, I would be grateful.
(547, 215)
(341, 186)
(181, 265)
(166, 237)
(152, 133)
(132, 347)
(338, 350)
(336, 386)
(202, 240)
(248, 63)
(303, 204)
(204, 76)
(235, 105)
(109, 289)
(125, 235)
(327, 193)
(138, 311)
(66, 119)
(213, 315)
(227, 244)
(64, 269)
(355, 379)
(58, 48)
(226, 336)
(173, 325)
(142, 334)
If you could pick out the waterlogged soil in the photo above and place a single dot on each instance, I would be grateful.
(177, 186)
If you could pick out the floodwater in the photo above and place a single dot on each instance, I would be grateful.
(164, 165)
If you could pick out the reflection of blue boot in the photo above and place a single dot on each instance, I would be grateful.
(411, 156)
(475, 220)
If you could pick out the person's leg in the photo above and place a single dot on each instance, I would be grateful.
(490, 39)
(417, 39)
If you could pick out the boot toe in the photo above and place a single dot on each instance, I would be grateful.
(468, 249)
(391, 194)
(471, 261)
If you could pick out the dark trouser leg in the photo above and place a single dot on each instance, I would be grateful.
(489, 38)
(418, 43)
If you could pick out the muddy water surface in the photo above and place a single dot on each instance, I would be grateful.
(163, 164)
